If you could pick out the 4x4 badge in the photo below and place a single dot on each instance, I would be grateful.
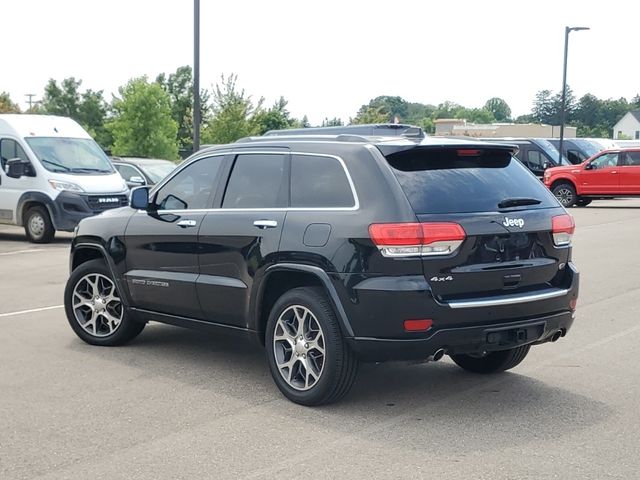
(513, 222)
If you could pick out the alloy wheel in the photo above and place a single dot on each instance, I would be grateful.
(564, 196)
(299, 347)
(96, 305)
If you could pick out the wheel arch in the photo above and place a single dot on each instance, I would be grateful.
(559, 180)
(87, 251)
(32, 199)
(281, 278)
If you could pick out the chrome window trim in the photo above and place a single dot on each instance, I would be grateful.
(356, 199)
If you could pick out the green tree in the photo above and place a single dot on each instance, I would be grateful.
(499, 108)
(635, 102)
(475, 115)
(333, 122)
(6, 105)
(369, 114)
(547, 106)
(179, 87)
(232, 113)
(63, 99)
(92, 115)
(143, 125)
(275, 118)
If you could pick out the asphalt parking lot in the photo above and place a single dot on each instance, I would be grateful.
(177, 404)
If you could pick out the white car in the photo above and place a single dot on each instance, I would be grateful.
(52, 175)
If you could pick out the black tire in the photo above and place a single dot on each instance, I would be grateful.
(493, 362)
(38, 226)
(126, 331)
(565, 193)
(583, 202)
(340, 363)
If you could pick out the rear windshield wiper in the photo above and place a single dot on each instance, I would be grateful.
(56, 164)
(518, 202)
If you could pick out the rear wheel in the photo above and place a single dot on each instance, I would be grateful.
(94, 307)
(38, 225)
(583, 202)
(492, 362)
(308, 357)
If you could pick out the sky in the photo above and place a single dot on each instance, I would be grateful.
(328, 58)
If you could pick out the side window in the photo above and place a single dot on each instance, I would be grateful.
(575, 157)
(535, 160)
(605, 161)
(632, 159)
(192, 187)
(319, 182)
(10, 149)
(257, 181)
(127, 171)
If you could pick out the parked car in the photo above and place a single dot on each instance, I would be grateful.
(537, 154)
(142, 171)
(576, 150)
(609, 174)
(331, 251)
(373, 129)
(52, 175)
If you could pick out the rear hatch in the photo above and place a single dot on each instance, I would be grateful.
(507, 245)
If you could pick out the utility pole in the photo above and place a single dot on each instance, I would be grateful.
(30, 100)
(196, 75)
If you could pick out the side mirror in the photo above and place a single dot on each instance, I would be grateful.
(140, 198)
(16, 168)
(588, 166)
(545, 165)
(136, 181)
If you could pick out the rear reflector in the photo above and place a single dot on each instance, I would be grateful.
(417, 325)
(417, 239)
(562, 228)
(572, 304)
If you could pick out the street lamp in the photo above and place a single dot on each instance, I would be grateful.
(196, 75)
(567, 31)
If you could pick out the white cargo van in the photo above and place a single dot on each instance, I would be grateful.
(52, 175)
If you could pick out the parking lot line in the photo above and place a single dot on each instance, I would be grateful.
(30, 250)
(33, 310)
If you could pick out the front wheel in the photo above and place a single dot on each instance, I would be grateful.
(565, 193)
(492, 362)
(38, 226)
(94, 307)
(308, 357)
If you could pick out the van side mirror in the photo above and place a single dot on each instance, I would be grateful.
(16, 168)
(140, 198)
(545, 165)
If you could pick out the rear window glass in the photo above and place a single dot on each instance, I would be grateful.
(462, 181)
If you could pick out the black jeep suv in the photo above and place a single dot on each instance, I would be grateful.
(333, 250)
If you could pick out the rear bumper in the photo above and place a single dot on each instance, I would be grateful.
(377, 308)
(484, 338)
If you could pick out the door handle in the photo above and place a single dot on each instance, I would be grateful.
(614, 172)
(263, 224)
(187, 223)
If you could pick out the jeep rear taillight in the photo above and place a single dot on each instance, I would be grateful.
(417, 239)
(562, 228)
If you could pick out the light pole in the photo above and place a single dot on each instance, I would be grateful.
(567, 31)
(196, 75)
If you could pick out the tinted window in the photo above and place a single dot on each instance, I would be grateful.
(257, 181)
(9, 149)
(319, 182)
(632, 158)
(535, 160)
(442, 181)
(192, 187)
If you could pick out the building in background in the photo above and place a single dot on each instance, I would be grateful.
(628, 127)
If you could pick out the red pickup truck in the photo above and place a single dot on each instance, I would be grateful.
(608, 174)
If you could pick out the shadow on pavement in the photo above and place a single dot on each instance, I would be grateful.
(422, 401)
